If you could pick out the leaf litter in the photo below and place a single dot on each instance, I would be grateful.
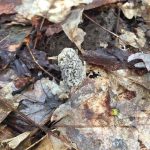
(78, 79)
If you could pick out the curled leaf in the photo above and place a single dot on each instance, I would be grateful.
(144, 57)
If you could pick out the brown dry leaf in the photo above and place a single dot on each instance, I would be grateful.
(14, 142)
(109, 59)
(86, 116)
(144, 132)
(37, 94)
(42, 89)
(54, 11)
(60, 144)
(86, 106)
(5, 77)
(131, 10)
(130, 38)
(104, 138)
(4, 111)
(5, 133)
(45, 144)
(53, 142)
(70, 27)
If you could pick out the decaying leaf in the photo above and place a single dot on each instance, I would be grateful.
(37, 94)
(131, 9)
(54, 11)
(4, 112)
(40, 111)
(13, 37)
(14, 142)
(86, 106)
(5, 133)
(43, 90)
(103, 138)
(70, 27)
(108, 103)
(144, 57)
(144, 132)
(6, 93)
(89, 110)
(136, 40)
(45, 144)
(109, 59)
(5, 58)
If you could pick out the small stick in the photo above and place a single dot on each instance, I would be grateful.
(4, 38)
(39, 64)
(52, 58)
(117, 26)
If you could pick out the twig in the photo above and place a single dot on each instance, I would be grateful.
(36, 142)
(117, 26)
(44, 129)
(39, 64)
(4, 38)
(42, 24)
(36, 40)
(53, 58)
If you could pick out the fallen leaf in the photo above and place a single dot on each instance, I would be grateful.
(13, 37)
(70, 27)
(86, 116)
(144, 57)
(45, 144)
(5, 58)
(86, 107)
(5, 133)
(14, 142)
(131, 10)
(109, 59)
(54, 11)
(130, 38)
(4, 112)
(37, 111)
(144, 132)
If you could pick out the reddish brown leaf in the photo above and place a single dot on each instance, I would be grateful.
(22, 81)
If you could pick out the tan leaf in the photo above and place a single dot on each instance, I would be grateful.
(70, 27)
(14, 142)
